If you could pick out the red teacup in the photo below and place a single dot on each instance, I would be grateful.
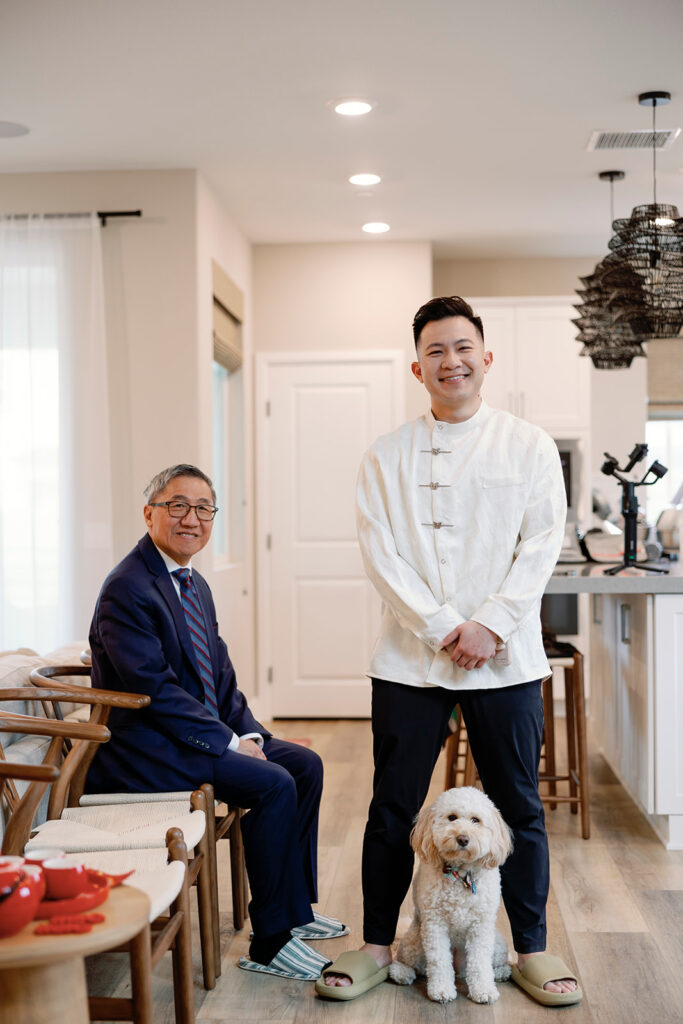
(8, 868)
(64, 878)
(40, 856)
(35, 875)
(18, 903)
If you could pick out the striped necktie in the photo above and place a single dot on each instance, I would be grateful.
(189, 599)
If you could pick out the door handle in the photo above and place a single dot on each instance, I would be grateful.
(597, 621)
(625, 610)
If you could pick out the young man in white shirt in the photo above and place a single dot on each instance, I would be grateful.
(460, 518)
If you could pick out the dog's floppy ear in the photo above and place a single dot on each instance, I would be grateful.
(421, 837)
(501, 842)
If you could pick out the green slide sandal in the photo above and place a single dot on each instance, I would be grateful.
(361, 968)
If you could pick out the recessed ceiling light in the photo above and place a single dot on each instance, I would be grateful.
(365, 179)
(10, 130)
(376, 227)
(353, 108)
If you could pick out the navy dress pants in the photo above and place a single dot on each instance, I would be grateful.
(280, 829)
(505, 729)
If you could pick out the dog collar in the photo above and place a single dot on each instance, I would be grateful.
(467, 880)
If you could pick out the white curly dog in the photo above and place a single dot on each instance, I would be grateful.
(461, 840)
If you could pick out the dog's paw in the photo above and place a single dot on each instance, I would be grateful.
(483, 994)
(502, 972)
(441, 992)
(401, 973)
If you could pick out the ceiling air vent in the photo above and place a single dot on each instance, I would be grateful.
(638, 139)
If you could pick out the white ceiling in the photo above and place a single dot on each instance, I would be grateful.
(484, 109)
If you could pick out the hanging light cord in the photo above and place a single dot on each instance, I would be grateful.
(654, 157)
(611, 201)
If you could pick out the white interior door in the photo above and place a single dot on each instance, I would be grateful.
(318, 615)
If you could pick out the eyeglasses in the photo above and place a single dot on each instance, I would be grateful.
(179, 509)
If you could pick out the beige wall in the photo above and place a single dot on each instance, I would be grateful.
(342, 296)
(510, 277)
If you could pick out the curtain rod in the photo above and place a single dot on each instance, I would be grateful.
(104, 215)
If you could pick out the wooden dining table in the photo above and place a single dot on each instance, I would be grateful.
(42, 977)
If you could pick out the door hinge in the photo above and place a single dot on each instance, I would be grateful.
(267, 408)
(269, 541)
(270, 673)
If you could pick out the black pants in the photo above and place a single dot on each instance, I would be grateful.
(505, 729)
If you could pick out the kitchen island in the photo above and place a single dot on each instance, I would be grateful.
(636, 671)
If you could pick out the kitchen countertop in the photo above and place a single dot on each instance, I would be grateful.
(588, 578)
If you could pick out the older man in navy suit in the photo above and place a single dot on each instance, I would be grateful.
(154, 631)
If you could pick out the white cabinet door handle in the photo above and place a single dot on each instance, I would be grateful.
(597, 600)
(625, 610)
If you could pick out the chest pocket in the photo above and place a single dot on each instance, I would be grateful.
(511, 480)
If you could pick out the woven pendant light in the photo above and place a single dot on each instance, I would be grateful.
(609, 338)
(650, 244)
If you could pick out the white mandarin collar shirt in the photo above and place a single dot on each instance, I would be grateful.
(460, 521)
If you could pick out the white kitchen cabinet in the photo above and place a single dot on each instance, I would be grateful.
(636, 702)
(636, 651)
(603, 700)
(537, 372)
(622, 709)
(668, 626)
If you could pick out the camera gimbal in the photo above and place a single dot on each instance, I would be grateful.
(629, 502)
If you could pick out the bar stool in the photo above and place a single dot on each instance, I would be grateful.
(462, 771)
(460, 767)
(570, 660)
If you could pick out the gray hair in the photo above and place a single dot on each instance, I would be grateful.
(161, 481)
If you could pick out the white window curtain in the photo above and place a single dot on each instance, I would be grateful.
(55, 491)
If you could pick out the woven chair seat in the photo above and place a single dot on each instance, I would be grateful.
(161, 882)
(119, 827)
(96, 799)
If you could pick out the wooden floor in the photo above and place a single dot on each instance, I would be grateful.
(615, 914)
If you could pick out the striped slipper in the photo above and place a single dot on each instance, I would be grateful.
(321, 927)
(295, 960)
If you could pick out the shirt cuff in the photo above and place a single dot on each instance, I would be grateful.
(234, 742)
(439, 626)
(255, 736)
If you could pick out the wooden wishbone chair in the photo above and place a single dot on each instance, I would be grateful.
(134, 822)
(225, 825)
(22, 808)
(161, 873)
(222, 821)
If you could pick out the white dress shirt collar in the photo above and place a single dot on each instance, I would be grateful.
(170, 564)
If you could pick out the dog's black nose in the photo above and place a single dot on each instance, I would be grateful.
(463, 841)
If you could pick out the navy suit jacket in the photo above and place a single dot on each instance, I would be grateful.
(140, 643)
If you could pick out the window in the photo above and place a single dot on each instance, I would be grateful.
(665, 442)
(228, 421)
(29, 427)
(55, 488)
